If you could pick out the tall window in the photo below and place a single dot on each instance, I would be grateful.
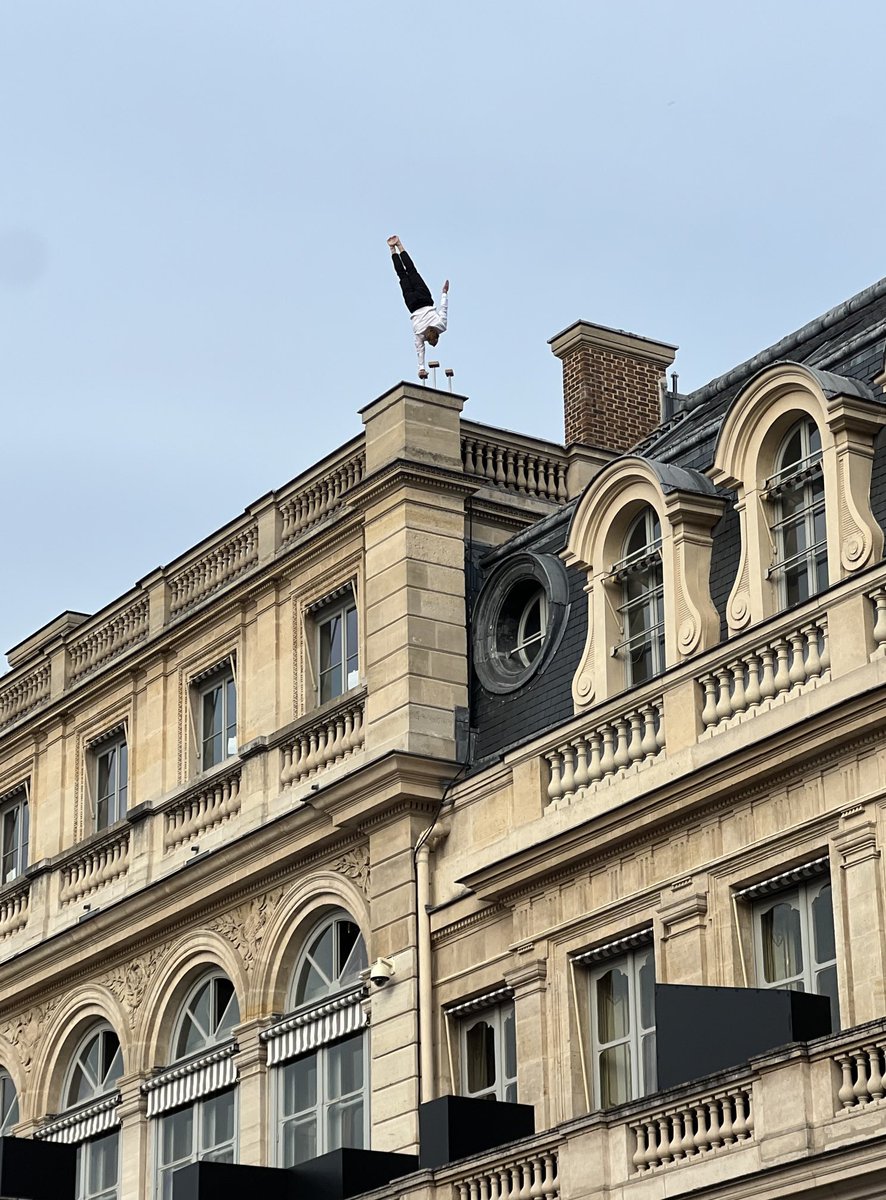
(14, 834)
(623, 1027)
(94, 1073)
(8, 1104)
(797, 493)
(794, 941)
(489, 1054)
(322, 1095)
(338, 652)
(111, 777)
(207, 1127)
(218, 718)
(642, 600)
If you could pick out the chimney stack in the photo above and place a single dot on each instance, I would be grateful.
(612, 383)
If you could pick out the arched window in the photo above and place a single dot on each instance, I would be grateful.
(320, 1052)
(90, 1116)
(796, 491)
(8, 1104)
(642, 600)
(206, 1126)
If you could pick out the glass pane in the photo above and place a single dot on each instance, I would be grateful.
(299, 1141)
(826, 985)
(346, 933)
(352, 648)
(218, 1121)
(646, 977)
(103, 816)
(10, 842)
(102, 1169)
(615, 1075)
(330, 643)
(330, 684)
(227, 1009)
(355, 960)
(823, 925)
(315, 981)
(212, 714)
(345, 1068)
(106, 773)
(300, 1085)
(78, 1089)
(112, 1060)
(647, 1060)
(177, 1135)
(793, 450)
(196, 1022)
(613, 1016)
(480, 1057)
(344, 1125)
(509, 1037)
(781, 942)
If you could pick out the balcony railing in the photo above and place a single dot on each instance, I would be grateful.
(766, 675)
(705, 1126)
(219, 566)
(21, 694)
(524, 1176)
(91, 868)
(863, 1075)
(110, 638)
(320, 496)
(607, 751)
(207, 804)
(507, 461)
(324, 740)
(14, 904)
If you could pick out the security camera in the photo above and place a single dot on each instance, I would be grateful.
(381, 971)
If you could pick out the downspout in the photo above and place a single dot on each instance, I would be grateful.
(425, 987)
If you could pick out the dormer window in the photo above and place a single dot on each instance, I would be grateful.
(642, 606)
(796, 492)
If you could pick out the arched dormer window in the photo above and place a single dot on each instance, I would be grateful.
(642, 533)
(90, 1116)
(642, 607)
(796, 448)
(8, 1104)
(319, 1052)
(796, 492)
(196, 1098)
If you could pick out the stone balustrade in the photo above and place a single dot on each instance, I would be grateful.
(99, 863)
(608, 751)
(765, 675)
(515, 467)
(862, 1074)
(22, 694)
(321, 496)
(698, 1127)
(219, 566)
(112, 637)
(205, 806)
(328, 739)
(526, 1177)
(878, 599)
(14, 905)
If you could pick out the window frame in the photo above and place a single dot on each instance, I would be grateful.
(504, 1088)
(198, 1109)
(806, 891)
(211, 1040)
(631, 963)
(112, 743)
(644, 565)
(106, 1085)
(223, 677)
(345, 979)
(341, 610)
(7, 1122)
(18, 798)
(805, 474)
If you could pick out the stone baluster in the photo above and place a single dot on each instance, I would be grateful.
(582, 775)
(595, 766)
(740, 1124)
(767, 679)
(649, 745)
(709, 707)
(687, 1145)
(568, 778)
(639, 1156)
(621, 751)
(555, 787)
(825, 645)
(875, 1078)
(607, 762)
(797, 673)
(813, 657)
(861, 1077)
(635, 746)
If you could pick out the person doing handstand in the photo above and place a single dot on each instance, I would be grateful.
(428, 322)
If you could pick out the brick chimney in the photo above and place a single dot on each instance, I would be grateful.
(611, 384)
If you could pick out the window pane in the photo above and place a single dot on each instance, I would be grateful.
(231, 717)
(781, 941)
(227, 1009)
(480, 1056)
(509, 1037)
(615, 1075)
(330, 643)
(613, 1016)
(647, 1060)
(344, 1067)
(218, 1121)
(299, 1141)
(106, 773)
(330, 684)
(823, 925)
(646, 977)
(102, 1171)
(177, 1135)
(300, 1085)
(352, 646)
(344, 1126)
(826, 985)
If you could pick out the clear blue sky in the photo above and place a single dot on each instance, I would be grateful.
(195, 292)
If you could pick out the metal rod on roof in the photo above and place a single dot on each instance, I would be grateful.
(433, 364)
(449, 373)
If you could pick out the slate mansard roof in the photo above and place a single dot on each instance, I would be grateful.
(846, 343)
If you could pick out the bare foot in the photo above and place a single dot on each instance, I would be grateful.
(393, 241)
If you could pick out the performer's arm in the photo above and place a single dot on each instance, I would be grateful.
(420, 351)
(443, 307)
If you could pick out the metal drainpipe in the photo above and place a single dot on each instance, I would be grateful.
(425, 989)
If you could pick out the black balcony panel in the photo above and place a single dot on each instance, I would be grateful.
(348, 1172)
(32, 1170)
(231, 1181)
(455, 1127)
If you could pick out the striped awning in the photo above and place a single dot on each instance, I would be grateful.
(316, 1026)
(189, 1081)
(487, 1000)
(84, 1122)
(786, 879)
(643, 937)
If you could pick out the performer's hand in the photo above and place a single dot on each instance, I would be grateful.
(446, 287)
(422, 374)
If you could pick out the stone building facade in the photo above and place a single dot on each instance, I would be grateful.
(425, 774)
